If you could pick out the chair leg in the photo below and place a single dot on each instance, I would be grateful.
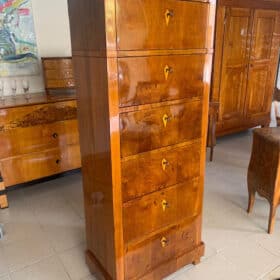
(211, 153)
(252, 197)
(272, 215)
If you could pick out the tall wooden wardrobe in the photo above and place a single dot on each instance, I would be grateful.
(143, 71)
(246, 58)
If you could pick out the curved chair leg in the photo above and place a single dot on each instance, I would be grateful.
(252, 197)
(272, 215)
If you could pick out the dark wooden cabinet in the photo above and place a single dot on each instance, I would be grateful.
(246, 57)
(143, 71)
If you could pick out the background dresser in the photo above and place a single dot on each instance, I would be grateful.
(246, 59)
(143, 75)
(38, 138)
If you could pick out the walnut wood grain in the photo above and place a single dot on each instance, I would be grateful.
(144, 80)
(144, 130)
(246, 59)
(186, 28)
(32, 166)
(146, 214)
(151, 253)
(117, 45)
(263, 172)
(158, 169)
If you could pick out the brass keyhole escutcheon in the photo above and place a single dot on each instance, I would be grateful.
(164, 242)
(167, 71)
(168, 14)
(164, 164)
(165, 119)
(164, 205)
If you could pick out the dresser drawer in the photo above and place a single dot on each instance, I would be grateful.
(158, 169)
(161, 24)
(154, 211)
(144, 80)
(33, 166)
(146, 130)
(20, 141)
(144, 256)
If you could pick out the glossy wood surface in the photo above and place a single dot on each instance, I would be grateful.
(38, 138)
(32, 166)
(154, 211)
(145, 130)
(144, 80)
(164, 246)
(3, 198)
(142, 72)
(246, 58)
(168, 24)
(263, 172)
(58, 73)
(148, 172)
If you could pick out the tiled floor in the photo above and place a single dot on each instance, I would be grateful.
(45, 240)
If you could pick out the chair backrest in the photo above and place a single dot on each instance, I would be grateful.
(58, 73)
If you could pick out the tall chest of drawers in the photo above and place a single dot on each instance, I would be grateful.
(143, 71)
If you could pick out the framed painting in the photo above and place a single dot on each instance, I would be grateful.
(18, 48)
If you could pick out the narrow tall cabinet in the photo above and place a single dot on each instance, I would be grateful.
(246, 59)
(143, 71)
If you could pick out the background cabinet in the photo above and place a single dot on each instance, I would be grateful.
(246, 58)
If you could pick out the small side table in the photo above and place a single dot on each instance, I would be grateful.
(264, 172)
(213, 116)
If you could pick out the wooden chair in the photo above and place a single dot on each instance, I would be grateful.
(264, 172)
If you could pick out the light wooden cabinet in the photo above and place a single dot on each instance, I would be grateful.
(246, 57)
(143, 71)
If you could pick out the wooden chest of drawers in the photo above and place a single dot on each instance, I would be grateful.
(39, 138)
(143, 74)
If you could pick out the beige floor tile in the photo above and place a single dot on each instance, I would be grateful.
(74, 262)
(16, 231)
(22, 253)
(63, 237)
(48, 269)
(5, 277)
(274, 275)
(89, 277)
(216, 268)
(3, 263)
(247, 255)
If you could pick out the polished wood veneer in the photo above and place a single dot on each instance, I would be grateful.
(144, 80)
(246, 60)
(142, 72)
(39, 138)
(152, 171)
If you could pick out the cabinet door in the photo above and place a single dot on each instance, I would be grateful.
(263, 63)
(237, 39)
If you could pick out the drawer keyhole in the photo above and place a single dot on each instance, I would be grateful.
(164, 242)
(168, 14)
(55, 135)
(58, 161)
(164, 164)
(164, 205)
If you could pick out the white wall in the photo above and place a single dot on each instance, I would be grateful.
(53, 37)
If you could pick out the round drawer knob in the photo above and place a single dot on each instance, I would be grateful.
(58, 161)
(55, 135)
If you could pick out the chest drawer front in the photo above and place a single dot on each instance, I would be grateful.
(33, 166)
(144, 80)
(143, 257)
(154, 211)
(37, 138)
(161, 24)
(155, 170)
(146, 130)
